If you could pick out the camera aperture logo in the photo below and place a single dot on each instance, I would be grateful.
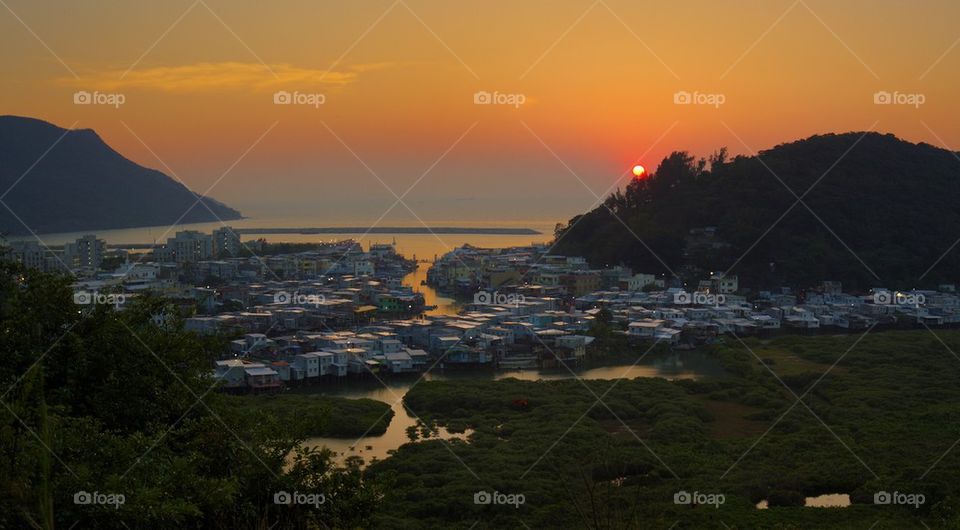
(296, 298)
(99, 499)
(707, 499)
(95, 298)
(505, 499)
(82, 97)
(698, 298)
(699, 98)
(283, 97)
(302, 499)
(899, 98)
(898, 298)
(899, 498)
(497, 299)
(496, 98)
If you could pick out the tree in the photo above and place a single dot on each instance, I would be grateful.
(121, 403)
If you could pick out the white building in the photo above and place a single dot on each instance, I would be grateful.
(226, 241)
(188, 246)
(230, 372)
(646, 328)
(306, 365)
(724, 284)
(85, 253)
(638, 281)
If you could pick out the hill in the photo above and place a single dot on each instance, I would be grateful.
(83, 184)
(876, 210)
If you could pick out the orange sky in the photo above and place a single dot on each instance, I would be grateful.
(598, 81)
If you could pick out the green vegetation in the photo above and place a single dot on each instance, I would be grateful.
(894, 203)
(318, 416)
(890, 407)
(96, 400)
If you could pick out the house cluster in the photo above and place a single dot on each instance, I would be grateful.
(339, 311)
(332, 284)
(83, 256)
(332, 302)
(526, 334)
(529, 309)
(325, 261)
(191, 246)
(531, 269)
(679, 317)
(650, 308)
(221, 257)
(258, 363)
(335, 286)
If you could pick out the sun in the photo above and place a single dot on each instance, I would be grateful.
(639, 171)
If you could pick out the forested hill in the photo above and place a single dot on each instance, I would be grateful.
(870, 202)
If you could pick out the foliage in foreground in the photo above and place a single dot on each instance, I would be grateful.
(99, 403)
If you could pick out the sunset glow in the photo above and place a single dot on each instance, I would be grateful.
(313, 217)
(403, 83)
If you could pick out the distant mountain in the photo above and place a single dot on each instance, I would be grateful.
(83, 184)
(883, 205)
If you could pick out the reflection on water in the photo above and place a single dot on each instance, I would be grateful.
(444, 305)
(827, 500)
(685, 365)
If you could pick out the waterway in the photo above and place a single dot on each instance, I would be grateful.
(677, 365)
(443, 305)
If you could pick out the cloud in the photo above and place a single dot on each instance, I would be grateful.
(217, 76)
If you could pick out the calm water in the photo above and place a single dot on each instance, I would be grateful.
(827, 500)
(680, 365)
(423, 246)
(445, 305)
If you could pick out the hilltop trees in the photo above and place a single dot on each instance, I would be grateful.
(865, 209)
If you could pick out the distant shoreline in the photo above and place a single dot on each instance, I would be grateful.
(351, 230)
(446, 230)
